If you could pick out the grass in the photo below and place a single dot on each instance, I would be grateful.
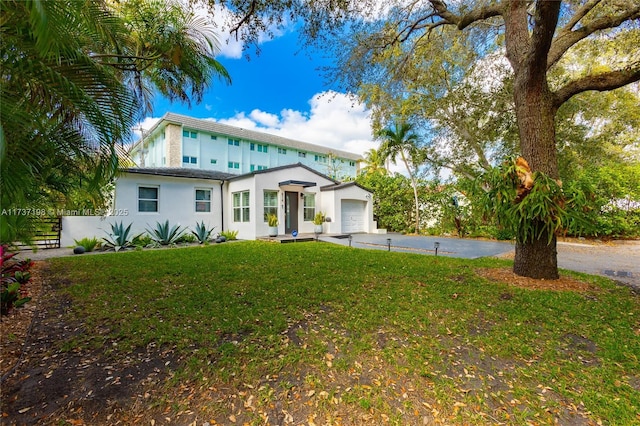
(314, 332)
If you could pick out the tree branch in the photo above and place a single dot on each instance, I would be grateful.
(545, 22)
(567, 38)
(601, 82)
(245, 18)
(463, 21)
(580, 13)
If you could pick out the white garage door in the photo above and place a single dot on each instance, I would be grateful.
(353, 216)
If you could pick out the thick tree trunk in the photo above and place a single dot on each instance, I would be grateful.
(535, 114)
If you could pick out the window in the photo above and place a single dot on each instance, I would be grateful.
(309, 207)
(270, 203)
(241, 206)
(188, 134)
(189, 160)
(282, 151)
(147, 198)
(302, 154)
(234, 142)
(321, 159)
(194, 135)
(263, 148)
(214, 161)
(233, 165)
(262, 167)
(352, 163)
(252, 146)
(203, 200)
(214, 137)
(185, 133)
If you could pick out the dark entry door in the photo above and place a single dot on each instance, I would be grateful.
(290, 212)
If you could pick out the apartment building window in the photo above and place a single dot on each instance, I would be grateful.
(321, 158)
(234, 142)
(258, 147)
(302, 154)
(234, 165)
(270, 203)
(188, 134)
(203, 200)
(214, 161)
(352, 163)
(189, 160)
(241, 206)
(148, 199)
(214, 137)
(282, 151)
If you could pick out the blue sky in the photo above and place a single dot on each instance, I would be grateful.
(281, 91)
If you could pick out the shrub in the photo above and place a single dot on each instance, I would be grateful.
(118, 238)
(186, 239)
(164, 234)
(89, 244)
(14, 274)
(229, 235)
(318, 219)
(202, 233)
(142, 240)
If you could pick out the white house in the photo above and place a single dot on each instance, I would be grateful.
(295, 192)
(182, 141)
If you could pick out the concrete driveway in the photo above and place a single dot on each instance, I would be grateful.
(619, 260)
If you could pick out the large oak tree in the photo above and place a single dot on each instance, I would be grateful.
(535, 36)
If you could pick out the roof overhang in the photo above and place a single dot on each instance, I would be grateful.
(301, 183)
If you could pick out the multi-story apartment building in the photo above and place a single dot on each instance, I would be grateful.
(182, 141)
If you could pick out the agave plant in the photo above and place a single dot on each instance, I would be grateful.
(164, 234)
(119, 237)
(202, 233)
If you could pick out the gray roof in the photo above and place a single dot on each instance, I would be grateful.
(246, 134)
(342, 186)
(286, 166)
(180, 172)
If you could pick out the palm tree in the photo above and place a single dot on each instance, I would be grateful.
(401, 141)
(75, 76)
(374, 163)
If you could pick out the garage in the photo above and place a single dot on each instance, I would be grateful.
(353, 216)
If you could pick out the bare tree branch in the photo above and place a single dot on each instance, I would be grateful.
(601, 82)
(566, 39)
(463, 21)
(580, 13)
(546, 20)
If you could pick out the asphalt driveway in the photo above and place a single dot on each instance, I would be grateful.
(618, 260)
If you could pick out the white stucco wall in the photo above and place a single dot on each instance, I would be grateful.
(334, 199)
(176, 203)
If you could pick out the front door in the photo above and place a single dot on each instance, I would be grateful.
(290, 212)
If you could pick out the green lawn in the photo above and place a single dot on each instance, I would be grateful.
(314, 333)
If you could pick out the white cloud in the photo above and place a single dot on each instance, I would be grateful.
(145, 124)
(335, 120)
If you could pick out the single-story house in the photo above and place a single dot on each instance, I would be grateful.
(295, 193)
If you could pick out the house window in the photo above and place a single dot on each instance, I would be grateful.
(309, 207)
(203, 200)
(234, 142)
(233, 165)
(270, 203)
(147, 198)
(302, 154)
(241, 206)
(282, 151)
(189, 160)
